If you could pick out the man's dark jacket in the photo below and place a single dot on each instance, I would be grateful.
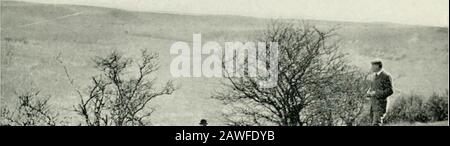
(382, 85)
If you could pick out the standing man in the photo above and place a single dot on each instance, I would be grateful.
(380, 90)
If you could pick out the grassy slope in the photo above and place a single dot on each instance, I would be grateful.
(442, 123)
(32, 35)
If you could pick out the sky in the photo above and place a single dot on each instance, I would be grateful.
(416, 12)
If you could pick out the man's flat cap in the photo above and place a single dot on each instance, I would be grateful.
(376, 61)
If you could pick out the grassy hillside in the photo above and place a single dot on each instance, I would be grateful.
(443, 123)
(34, 35)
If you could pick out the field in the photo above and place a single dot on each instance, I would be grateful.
(34, 35)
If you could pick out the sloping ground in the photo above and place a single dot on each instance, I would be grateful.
(441, 123)
(33, 35)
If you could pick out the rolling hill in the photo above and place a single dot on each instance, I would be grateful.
(34, 35)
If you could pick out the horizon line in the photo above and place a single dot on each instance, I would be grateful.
(234, 15)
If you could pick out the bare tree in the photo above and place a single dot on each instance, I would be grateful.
(114, 98)
(345, 104)
(309, 65)
(351, 97)
(31, 110)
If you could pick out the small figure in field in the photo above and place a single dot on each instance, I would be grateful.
(203, 122)
(380, 89)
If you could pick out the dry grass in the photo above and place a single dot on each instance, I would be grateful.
(441, 123)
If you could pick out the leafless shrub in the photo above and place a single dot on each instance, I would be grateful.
(344, 105)
(309, 67)
(114, 99)
(31, 110)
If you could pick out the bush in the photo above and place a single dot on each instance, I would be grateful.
(114, 99)
(414, 108)
(407, 109)
(31, 110)
(437, 107)
(308, 63)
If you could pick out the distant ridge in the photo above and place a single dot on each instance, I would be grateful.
(392, 24)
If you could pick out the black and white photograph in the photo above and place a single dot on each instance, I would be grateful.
(224, 63)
